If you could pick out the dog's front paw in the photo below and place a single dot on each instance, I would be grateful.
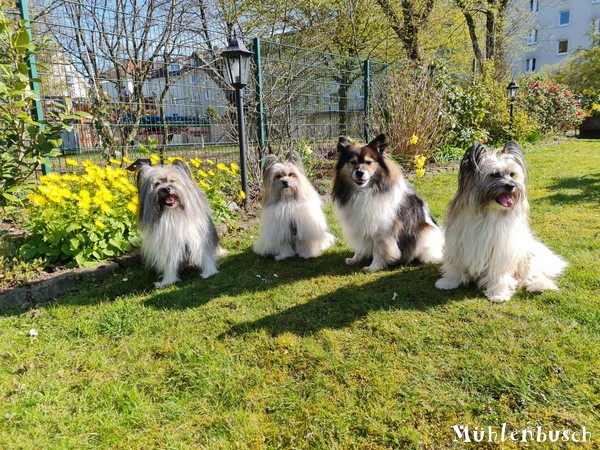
(498, 297)
(164, 283)
(447, 284)
(352, 261)
(373, 268)
(208, 273)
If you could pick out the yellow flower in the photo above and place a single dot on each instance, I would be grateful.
(308, 149)
(419, 173)
(419, 161)
(154, 159)
(234, 167)
(195, 162)
(99, 224)
(114, 161)
(202, 173)
(242, 195)
(210, 161)
(414, 139)
(126, 160)
(222, 167)
(39, 200)
(203, 185)
(131, 206)
(71, 162)
(211, 173)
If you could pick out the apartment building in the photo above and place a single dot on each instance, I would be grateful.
(551, 30)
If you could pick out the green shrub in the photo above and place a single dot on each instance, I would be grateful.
(76, 219)
(552, 106)
(25, 142)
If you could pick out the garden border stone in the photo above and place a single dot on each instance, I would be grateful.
(56, 285)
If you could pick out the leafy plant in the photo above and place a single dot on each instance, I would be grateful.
(26, 141)
(76, 219)
(553, 106)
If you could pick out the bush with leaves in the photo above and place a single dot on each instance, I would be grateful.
(79, 218)
(409, 110)
(25, 141)
(553, 106)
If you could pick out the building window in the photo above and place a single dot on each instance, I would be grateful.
(207, 94)
(534, 5)
(532, 37)
(530, 65)
(194, 78)
(596, 25)
(564, 18)
(563, 47)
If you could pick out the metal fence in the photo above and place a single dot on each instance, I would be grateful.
(152, 81)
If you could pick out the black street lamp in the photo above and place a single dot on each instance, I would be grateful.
(511, 91)
(237, 68)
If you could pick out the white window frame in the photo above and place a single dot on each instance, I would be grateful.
(534, 5)
(530, 65)
(532, 38)
(558, 52)
(596, 25)
(560, 13)
(207, 94)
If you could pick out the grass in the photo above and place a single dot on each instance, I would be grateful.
(314, 354)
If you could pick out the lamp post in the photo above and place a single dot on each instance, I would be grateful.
(237, 65)
(511, 91)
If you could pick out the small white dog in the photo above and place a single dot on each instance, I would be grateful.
(488, 239)
(174, 220)
(292, 221)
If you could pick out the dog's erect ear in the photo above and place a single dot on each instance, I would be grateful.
(344, 144)
(140, 174)
(512, 148)
(379, 143)
(471, 161)
(183, 167)
(294, 158)
(268, 162)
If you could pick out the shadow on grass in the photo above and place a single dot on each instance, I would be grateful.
(413, 286)
(246, 273)
(584, 189)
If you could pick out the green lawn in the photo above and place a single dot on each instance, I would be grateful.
(315, 354)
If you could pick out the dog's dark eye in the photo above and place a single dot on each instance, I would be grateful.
(496, 175)
(353, 162)
(512, 174)
(156, 183)
(277, 177)
(291, 175)
(368, 163)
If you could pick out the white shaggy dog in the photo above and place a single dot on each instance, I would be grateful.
(292, 221)
(174, 220)
(488, 239)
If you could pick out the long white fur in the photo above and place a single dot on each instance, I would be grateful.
(173, 237)
(495, 247)
(280, 210)
(176, 239)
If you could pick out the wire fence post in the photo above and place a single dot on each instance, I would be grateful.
(37, 111)
(367, 92)
(259, 99)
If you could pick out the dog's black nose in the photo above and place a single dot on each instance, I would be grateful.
(359, 173)
(284, 183)
(510, 187)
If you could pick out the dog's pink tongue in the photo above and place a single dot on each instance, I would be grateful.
(505, 201)
(170, 200)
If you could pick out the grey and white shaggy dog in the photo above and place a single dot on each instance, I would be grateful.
(292, 221)
(488, 239)
(174, 220)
